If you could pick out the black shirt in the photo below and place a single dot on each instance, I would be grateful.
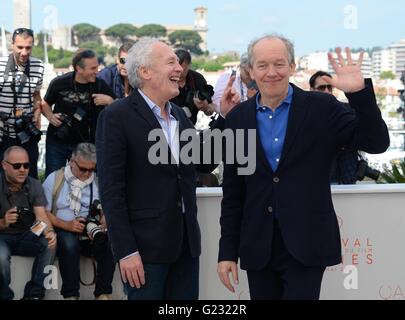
(69, 96)
(194, 82)
(31, 195)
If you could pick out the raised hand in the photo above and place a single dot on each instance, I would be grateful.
(349, 77)
(230, 98)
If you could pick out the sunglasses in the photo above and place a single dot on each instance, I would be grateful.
(84, 170)
(19, 31)
(17, 166)
(323, 87)
(123, 60)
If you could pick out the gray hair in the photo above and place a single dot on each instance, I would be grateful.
(12, 149)
(139, 56)
(85, 151)
(244, 60)
(288, 43)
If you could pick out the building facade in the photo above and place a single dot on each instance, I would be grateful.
(22, 14)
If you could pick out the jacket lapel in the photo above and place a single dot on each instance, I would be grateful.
(296, 119)
(140, 106)
(251, 123)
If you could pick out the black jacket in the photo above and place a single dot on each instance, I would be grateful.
(299, 191)
(142, 202)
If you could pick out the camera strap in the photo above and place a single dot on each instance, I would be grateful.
(12, 67)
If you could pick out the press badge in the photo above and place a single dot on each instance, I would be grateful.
(38, 227)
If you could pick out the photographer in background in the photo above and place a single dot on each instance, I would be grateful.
(80, 225)
(349, 165)
(243, 84)
(116, 76)
(24, 227)
(195, 95)
(344, 166)
(20, 83)
(78, 97)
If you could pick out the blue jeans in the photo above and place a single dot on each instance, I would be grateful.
(57, 154)
(169, 281)
(70, 248)
(29, 245)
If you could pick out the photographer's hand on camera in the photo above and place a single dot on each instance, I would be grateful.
(10, 217)
(102, 99)
(103, 222)
(76, 226)
(55, 120)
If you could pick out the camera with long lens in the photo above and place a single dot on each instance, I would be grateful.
(64, 131)
(93, 228)
(364, 170)
(25, 127)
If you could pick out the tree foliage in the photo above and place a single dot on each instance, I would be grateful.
(121, 31)
(151, 30)
(387, 75)
(86, 32)
(187, 39)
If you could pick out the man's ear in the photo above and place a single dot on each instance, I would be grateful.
(251, 74)
(292, 67)
(145, 73)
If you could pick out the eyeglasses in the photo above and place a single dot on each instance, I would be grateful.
(123, 60)
(323, 87)
(84, 170)
(19, 31)
(17, 166)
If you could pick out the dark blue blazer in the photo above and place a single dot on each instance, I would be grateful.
(142, 202)
(299, 191)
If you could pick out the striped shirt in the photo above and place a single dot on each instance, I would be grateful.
(25, 94)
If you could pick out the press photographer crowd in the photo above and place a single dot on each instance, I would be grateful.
(102, 198)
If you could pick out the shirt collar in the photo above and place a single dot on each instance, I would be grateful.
(153, 105)
(285, 103)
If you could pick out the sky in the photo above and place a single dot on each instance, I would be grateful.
(313, 25)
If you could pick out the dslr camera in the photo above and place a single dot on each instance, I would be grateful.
(64, 130)
(93, 230)
(204, 93)
(364, 170)
(25, 128)
(25, 216)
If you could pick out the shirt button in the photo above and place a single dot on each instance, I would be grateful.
(271, 117)
(179, 204)
(276, 139)
(179, 176)
(276, 179)
(270, 210)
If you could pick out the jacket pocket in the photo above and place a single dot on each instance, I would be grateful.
(139, 214)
